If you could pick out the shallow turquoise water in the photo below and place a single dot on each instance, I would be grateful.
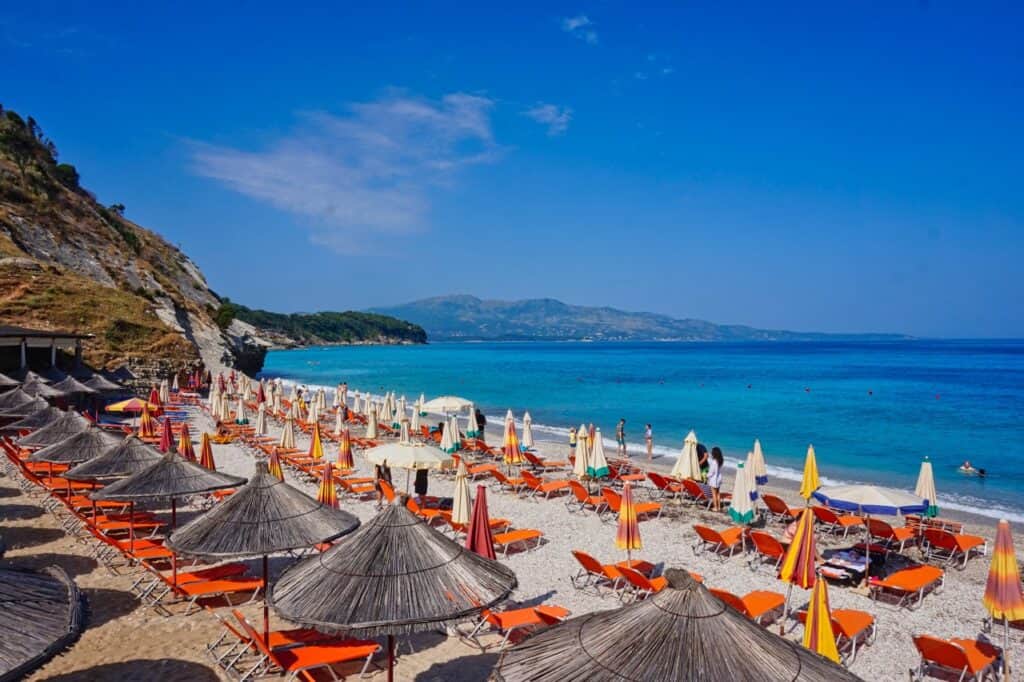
(872, 410)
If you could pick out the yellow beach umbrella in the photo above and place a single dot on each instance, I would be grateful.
(818, 634)
(627, 536)
(316, 446)
(810, 481)
(147, 425)
(206, 453)
(274, 465)
(687, 464)
(345, 462)
(513, 454)
(798, 565)
(327, 494)
(1003, 598)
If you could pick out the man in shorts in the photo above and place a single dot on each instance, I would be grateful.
(620, 437)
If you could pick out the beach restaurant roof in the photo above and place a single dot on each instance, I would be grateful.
(170, 476)
(37, 338)
(682, 632)
(62, 429)
(128, 457)
(42, 614)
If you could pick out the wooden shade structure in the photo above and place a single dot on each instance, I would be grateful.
(83, 446)
(393, 576)
(42, 614)
(682, 632)
(129, 456)
(68, 425)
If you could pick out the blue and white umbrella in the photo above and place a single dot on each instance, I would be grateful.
(870, 500)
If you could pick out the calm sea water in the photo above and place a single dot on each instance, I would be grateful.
(872, 410)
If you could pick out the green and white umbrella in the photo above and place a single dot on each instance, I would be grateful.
(687, 465)
(597, 464)
(240, 417)
(741, 509)
(472, 428)
(447, 441)
(926, 489)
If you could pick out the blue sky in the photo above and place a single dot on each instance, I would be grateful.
(816, 166)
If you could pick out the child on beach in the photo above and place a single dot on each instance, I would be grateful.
(649, 439)
(715, 477)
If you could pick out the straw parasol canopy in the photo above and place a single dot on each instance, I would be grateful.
(36, 387)
(447, 441)
(682, 632)
(597, 465)
(688, 464)
(43, 613)
(81, 447)
(71, 386)
(169, 477)
(461, 500)
(741, 509)
(101, 384)
(925, 489)
(129, 456)
(8, 382)
(14, 398)
(1003, 597)
(69, 424)
(818, 634)
(37, 419)
(24, 410)
(446, 404)
(810, 481)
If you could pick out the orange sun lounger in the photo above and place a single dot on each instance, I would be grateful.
(512, 621)
(517, 538)
(593, 573)
(970, 659)
(909, 586)
(614, 501)
(537, 485)
(834, 523)
(952, 548)
(723, 544)
(581, 500)
(778, 509)
(767, 550)
(760, 606)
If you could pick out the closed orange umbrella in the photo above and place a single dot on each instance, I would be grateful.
(627, 536)
(185, 444)
(345, 462)
(147, 426)
(798, 566)
(513, 455)
(818, 634)
(326, 494)
(316, 446)
(206, 453)
(1003, 597)
(274, 465)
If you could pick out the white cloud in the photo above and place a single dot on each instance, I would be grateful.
(369, 171)
(581, 27)
(556, 118)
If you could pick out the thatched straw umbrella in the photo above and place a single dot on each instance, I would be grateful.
(42, 614)
(72, 386)
(100, 383)
(128, 457)
(37, 419)
(81, 447)
(362, 587)
(7, 382)
(14, 398)
(25, 409)
(43, 390)
(68, 425)
(680, 633)
(264, 517)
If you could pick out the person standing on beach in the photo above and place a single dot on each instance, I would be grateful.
(620, 437)
(702, 460)
(572, 441)
(715, 477)
(481, 426)
(649, 440)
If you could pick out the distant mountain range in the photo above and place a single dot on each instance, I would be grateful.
(468, 318)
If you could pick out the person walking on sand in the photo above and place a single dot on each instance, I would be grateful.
(649, 440)
(715, 477)
(620, 437)
(572, 441)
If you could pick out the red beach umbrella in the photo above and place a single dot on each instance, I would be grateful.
(345, 462)
(478, 535)
(260, 395)
(185, 444)
(154, 398)
(274, 465)
(166, 437)
(206, 453)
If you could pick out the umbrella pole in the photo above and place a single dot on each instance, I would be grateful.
(391, 658)
(174, 513)
(785, 610)
(1006, 646)
(131, 527)
(266, 609)
(867, 549)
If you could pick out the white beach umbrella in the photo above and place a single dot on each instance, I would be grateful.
(293, 396)
(277, 402)
(597, 464)
(287, 439)
(447, 442)
(446, 404)
(453, 422)
(213, 399)
(336, 398)
(356, 396)
(339, 422)
(870, 500)
(240, 417)
(371, 423)
(165, 392)
(527, 431)
(462, 503)
(415, 426)
(321, 399)
(402, 409)
(261, 420)
(225, 408)
(741, 508)
(579, 468)
(755, 465)
(420, 402)
(405, 454)
(344, 394)
(313, 416)
(688, 465)
(174, 383)
(472, 427)
(925, 489)
(509, 419)
(246, 389)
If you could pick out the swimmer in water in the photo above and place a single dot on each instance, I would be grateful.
(968, 468)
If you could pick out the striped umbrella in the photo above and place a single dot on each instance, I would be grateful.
(472, 427)
(166, 437)
(1003, 598)
(461, 501)
(345, 462)
(274, 465)
(316, 446)
(627, 536)
(756, 466)
(798, 563)
(326, 494)
(527, 431)
(185, 444)
(926, 489)
(147, 428)
(287, 440)
(597, 464)
(688, 464)
(741, 509)
(513, 454)
(810, 481)
(453, 422)
(818, 634)
(206, 453)
(579, 466)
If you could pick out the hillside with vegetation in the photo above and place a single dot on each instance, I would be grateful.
(69, 262)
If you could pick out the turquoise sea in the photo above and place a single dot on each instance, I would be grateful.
(872, 410)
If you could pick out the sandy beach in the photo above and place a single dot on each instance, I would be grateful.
(125, 638)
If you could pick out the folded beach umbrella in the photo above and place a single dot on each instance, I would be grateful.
(225, 407)
(479, 538)
(447, 442)
(756, 466)
(361, 587)
(343, 394)
(263, 517)
(345, 462)
(925, 489)
(415, 419)
(260, 428)
(69, 424)
(287, 440)
(513, 454)
(355, 402)
(339, 421)
(810, 481)
(527, 431)
(402, 408)
(1003, 597)
(597, 465)
(147, 425)
(166, 436)
(205, 453)
(741, 509)
(327, 493)
(321, 399)
(154, 397)
(240, 417)
(627, 536)
(453, 423)
(336, 398)
(261, 393)
(313, 416)
(687, 464)
(165, 392)
(277, 402)
(461, 501)
(185, 448)
(798, 565)
(129, 456)
(371, 423)
(274, 465)
(581, 462)
(174, 383)
(682, 632)
(818, 634)
(316, 445)
(7, 382)
(84, 445)
(445, 404)
(246, 389)
(472, 428)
